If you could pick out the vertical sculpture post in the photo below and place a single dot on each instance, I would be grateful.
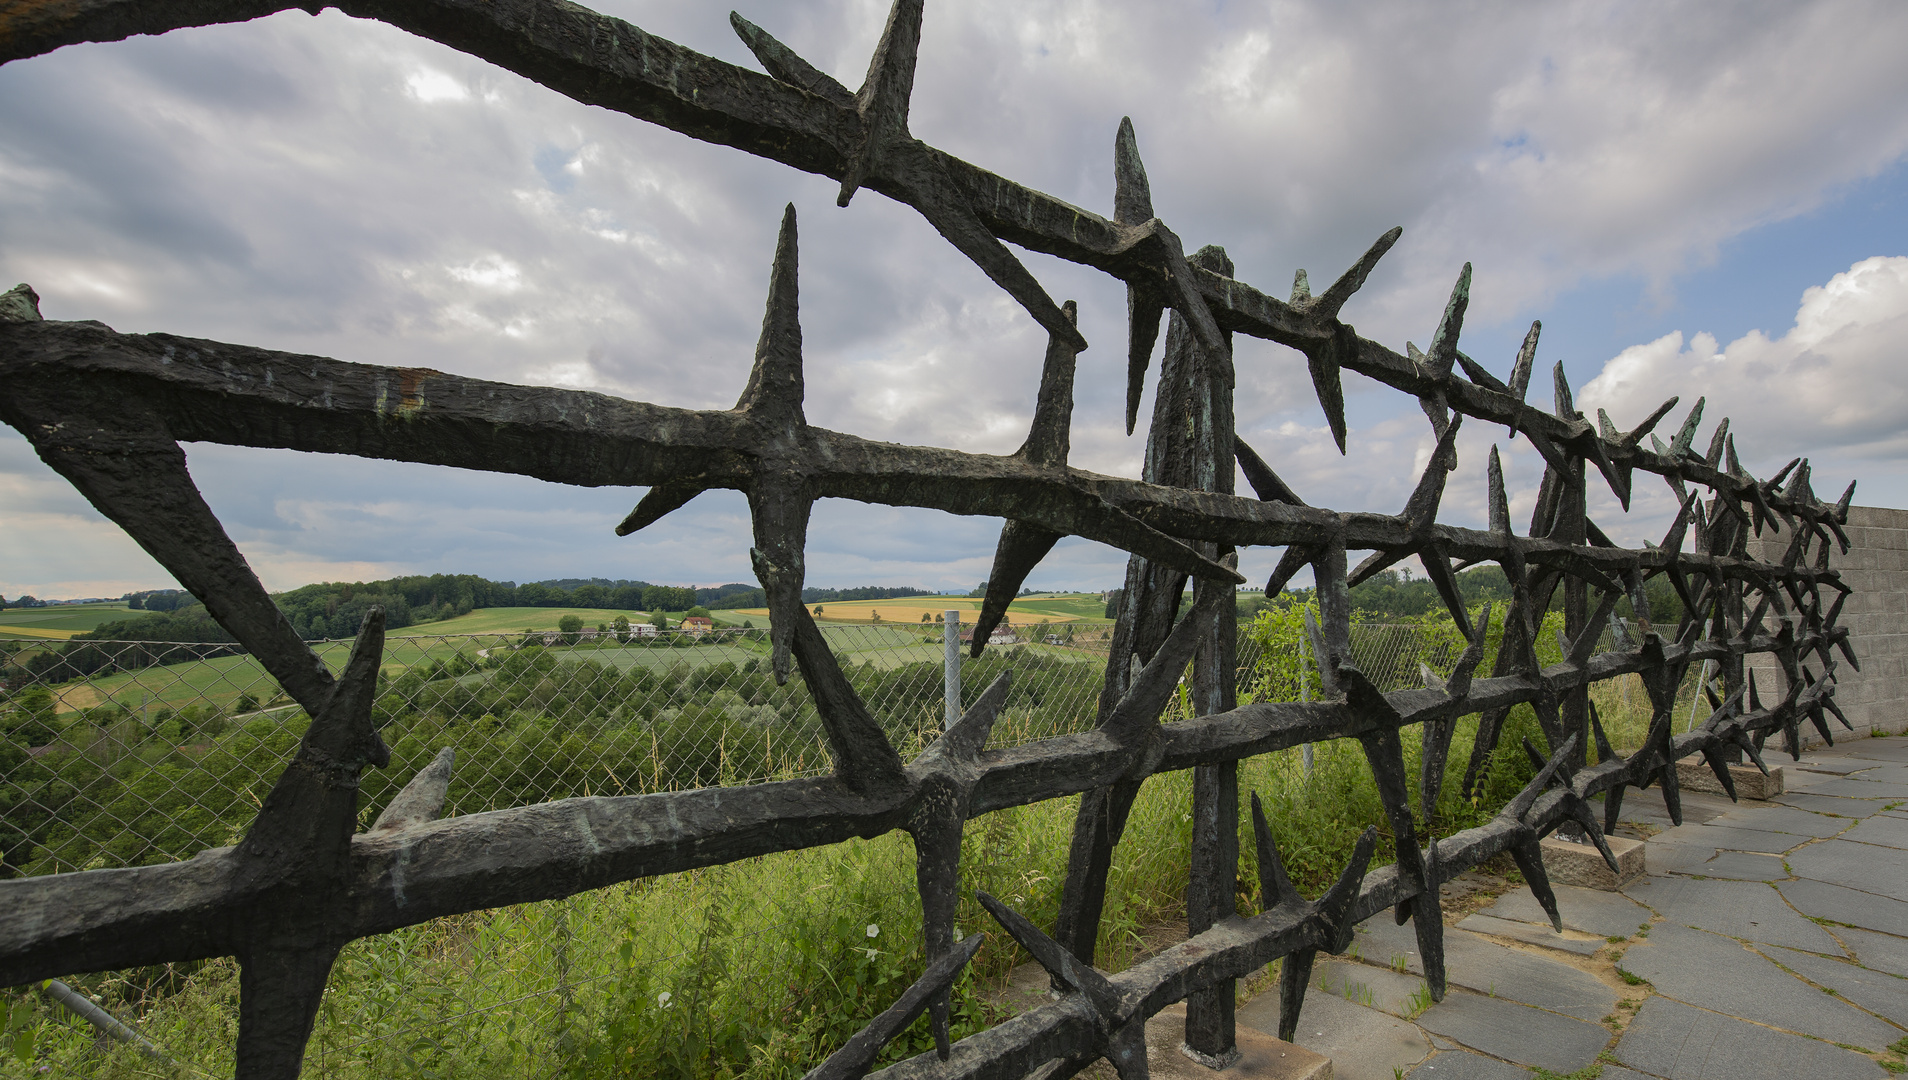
(1196, 387)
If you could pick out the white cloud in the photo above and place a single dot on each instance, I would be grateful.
(1831, 384)
(431, 86)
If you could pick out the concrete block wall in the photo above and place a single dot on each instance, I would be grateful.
(1876, 567)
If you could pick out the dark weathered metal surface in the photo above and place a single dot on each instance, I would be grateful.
(108, 410)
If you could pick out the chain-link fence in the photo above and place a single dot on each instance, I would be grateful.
(132, 753)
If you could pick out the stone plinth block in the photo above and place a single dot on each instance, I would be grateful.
(1261, 1057)
(1750, 783)
(1569, 863)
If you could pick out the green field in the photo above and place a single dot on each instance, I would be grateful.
(511, 620)
(61, 621)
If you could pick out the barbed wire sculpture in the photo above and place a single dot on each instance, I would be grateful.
(108, 410)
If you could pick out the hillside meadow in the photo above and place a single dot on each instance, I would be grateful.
(59, 622)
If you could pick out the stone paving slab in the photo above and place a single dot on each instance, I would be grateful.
(1822, 900)
(1887, 774)
(1885, 830)
(1464, 1065)
(1856, 788)
(1855, 866)
(1672, 1040)
(1647, 807)
(1364, 1044)
(1719, 974)
(1830, 804)
(1736, 909)
(1530, 934)
(1878, 992)
(1839, 764)
(1520, 1033)
(1883, 952)
(1781, 819)
(1593, 911)
(1741, 866)
(1387, 990)
(1880, 750)
(1488, 968)
(1675, 858)
(1725, 838)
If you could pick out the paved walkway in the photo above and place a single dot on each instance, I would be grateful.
(1767, 940)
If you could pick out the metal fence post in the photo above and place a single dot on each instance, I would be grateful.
(951, 678)
(1305, 694)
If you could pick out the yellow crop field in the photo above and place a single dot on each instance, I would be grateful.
(909, 610)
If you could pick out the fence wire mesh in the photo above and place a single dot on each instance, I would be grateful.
(134, 753)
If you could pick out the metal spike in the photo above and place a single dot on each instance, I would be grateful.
(1526, 358)
(1132, 193)
(1050, 436)
(1459, 683)
(1499, 502)
(1716, 444)
(1687, 433)
(1332, 299)
(1133, 205)
(1607, 429)
(657, 502)
(422, 799)
(1428, 921)
(1530, 861)
(1295, 976)
(1335, 906)
(1296, 557)
(784, 65)
(1650, 421)
(1566, 406)
(858, 1054)
(1421, 508)
(1265, 483)
(1444, 343)
(1605, 751)
(775, 389)
(1841, 505)
(1301, 288)
(1323, 363)
(883, 98)
(1022, 545)
(1275, 888)
(1479, 375)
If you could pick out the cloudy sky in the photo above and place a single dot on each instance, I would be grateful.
(1695, 199)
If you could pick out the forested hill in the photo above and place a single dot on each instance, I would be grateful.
(336, 609)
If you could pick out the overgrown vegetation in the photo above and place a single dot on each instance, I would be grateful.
(754, 969)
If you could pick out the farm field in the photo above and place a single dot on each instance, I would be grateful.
(513, 620)
(60, 622)
(223, 680)
(1062, 607)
